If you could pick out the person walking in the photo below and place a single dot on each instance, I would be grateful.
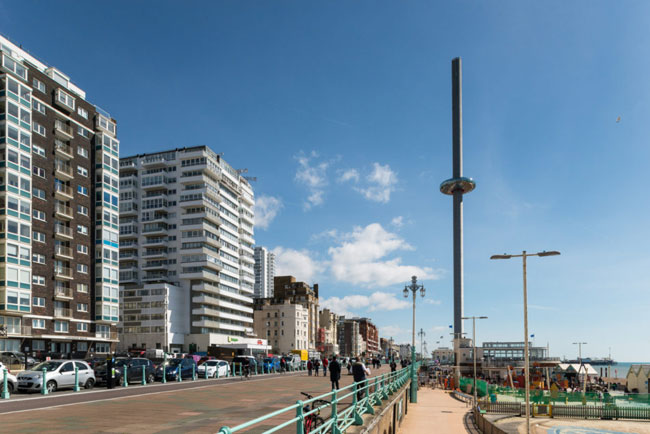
(393, 366)
(335, 372)
(359, 372)
(283, 365)
(310, 366)
(325, 364)
(316, 365)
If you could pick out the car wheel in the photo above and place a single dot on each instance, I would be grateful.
(51, 386)
(90, 383)
(10, 387)
(150, 378)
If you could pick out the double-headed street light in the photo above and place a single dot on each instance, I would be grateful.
(524, 255)
(474, 318)
(413, 287)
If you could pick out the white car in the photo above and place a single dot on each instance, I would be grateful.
(59, 375)
(12, 382)
(214, 366)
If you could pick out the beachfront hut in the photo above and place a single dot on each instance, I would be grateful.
(637, 378)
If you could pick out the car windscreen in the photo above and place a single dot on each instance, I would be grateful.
(175, 362)
(49, 366)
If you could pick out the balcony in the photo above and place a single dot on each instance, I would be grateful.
(63, 273)
(23, 330)
(63, 150)
(63, 232)
(152, 228)
(154, 241)
(154, 253)
(109, 336)
(130, 254)
(155, 276)
(63, 171)
(63, 192)
(153, 161)
(62, 312)
(63, 211)
(63, 252)
(62, 293)
(127, 209)
(63, 130)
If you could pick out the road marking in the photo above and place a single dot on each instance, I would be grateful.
(127, 396)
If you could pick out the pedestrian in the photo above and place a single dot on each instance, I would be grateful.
(359, 372)
(393, 366)
(335, 372)
(283, 365)
(325, 364)
(316, 366)
(310, 366)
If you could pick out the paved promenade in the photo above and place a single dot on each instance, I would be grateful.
(199, 407)
(437, 411)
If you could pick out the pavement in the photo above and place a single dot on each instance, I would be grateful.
(201, 406)
(437, 411)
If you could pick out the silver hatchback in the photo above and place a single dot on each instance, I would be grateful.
(59, 375)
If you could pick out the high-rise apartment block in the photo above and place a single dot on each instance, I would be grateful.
(264, 272)
(186, 234)
(59, 203)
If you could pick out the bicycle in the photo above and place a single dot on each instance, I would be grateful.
(313, 420)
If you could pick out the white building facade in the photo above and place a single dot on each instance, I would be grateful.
(264, 272)
(284, 325)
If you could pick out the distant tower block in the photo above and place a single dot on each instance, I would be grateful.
(457, 186)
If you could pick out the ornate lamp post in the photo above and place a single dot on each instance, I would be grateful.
(413, 287)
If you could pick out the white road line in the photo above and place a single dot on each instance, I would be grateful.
(128, 396)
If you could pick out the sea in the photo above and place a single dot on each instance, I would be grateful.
(619, 370)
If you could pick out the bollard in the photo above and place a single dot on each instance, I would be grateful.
(144, 377)
(76, 379)
(240, 369)
(5, 388)
(206, 371)
(44, 385)
(255, 368)
(300, 423)
(178, 374)
(125, 375)
(193, 372)
(164, 379)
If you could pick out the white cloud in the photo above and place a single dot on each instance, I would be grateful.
(349, 175)
(398, 221)
(314, 177)
(432, 301)
(377, 301)
(297, 263)
(382, 181)
(266, 208)
(360, 258)
(398, 334)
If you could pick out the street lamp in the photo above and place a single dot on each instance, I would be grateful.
(422, 334)
(580, 344)
(524, 255)
(413, 287)
(474, 318)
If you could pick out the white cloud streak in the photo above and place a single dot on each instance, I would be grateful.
(266, 209)
(381, 183)
(297, 263)
(351, 305)
(349, 175)
(313, 177)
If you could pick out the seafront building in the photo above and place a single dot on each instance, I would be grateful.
(186, 252)
(285, 325)
(58, 215)
(327, 339)
(264, 272)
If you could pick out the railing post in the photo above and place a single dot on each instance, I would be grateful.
(216, 372)
(358, 420)
(44, 385)
(335, 428)
(366, 384)
(178, 374)
(385, 389)
(164, 379)
(5, 387)
(125, 380)
(76, 379)
(300, 423)
(144, 376)
(193, 372)
(377, 393)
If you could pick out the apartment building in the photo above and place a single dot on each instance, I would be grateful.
(370, 336)
(350, 341)
(327, 342)
(58, 213)
(186, 225)
(285, 325)
(264, 272)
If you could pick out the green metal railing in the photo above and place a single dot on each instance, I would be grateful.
(364, 395)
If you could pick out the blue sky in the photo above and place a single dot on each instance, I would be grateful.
(342, 110)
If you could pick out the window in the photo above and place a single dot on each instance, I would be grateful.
(38, 258)
(61, 327)
(82, 307)
(38, 301)
(38, 215)
(83, 249)
(38, 106)
(39, 85)
(83, 152)
(82, 112)
(39, 171)
(82, 210)
(82, 287)
(38, 323)
(82, 346)
(39, 236)
(37, 192)
(38, 280)
(65, 99)
(82, 268)
(82, 190)
(38, 128)
(81, 327)
(82, 171)
(82, 229)
(83, 132)
(102, 347)
(38, 150)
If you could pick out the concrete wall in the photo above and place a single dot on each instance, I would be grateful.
(387, 418)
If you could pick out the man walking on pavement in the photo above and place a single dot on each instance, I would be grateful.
(359, 372)
(325, 363)
(335, 372)
(393, 366)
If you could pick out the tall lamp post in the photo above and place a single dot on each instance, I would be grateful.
(413, 287)
(474, 318)
(421, 334)
(524, 255)
(580, 344)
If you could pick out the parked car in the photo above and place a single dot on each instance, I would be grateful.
(243, 361)
(270, 364)
(133, 367)
(60, 375)
(204, 359)
(172, 367)
(12, 382)
(214, 366)
(95, 361)
(16, 357)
